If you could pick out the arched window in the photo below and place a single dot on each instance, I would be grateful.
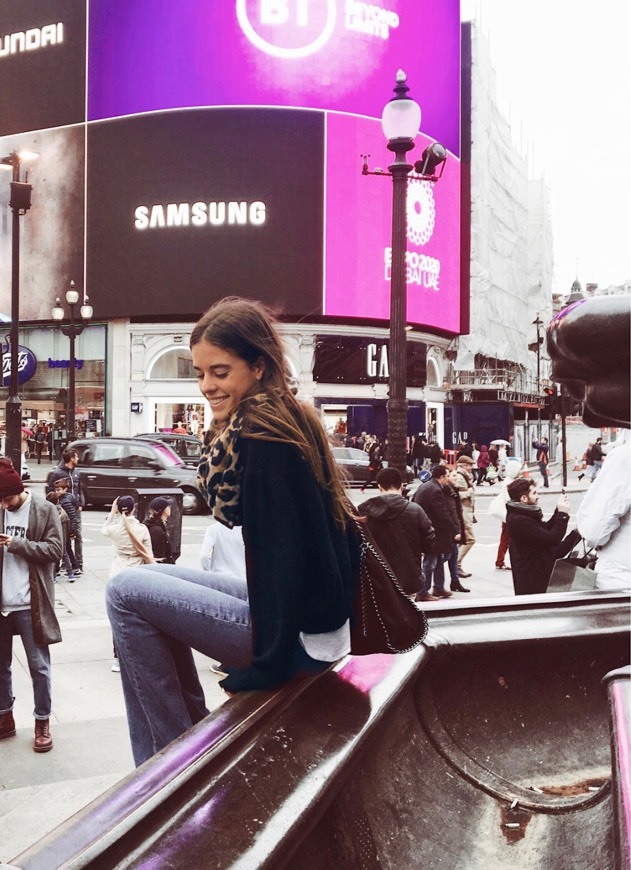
(433, 373)
(174, 364)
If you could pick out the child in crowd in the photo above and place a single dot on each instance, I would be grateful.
(70, 504)
(53, 498)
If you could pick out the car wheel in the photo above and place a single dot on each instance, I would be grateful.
(191, 503)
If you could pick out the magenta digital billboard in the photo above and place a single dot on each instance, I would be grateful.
(215, 148)
(321, 54)
(358, 230)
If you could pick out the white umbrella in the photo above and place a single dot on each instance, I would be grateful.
(501, 441)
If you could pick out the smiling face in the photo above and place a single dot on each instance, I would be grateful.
(224, 378)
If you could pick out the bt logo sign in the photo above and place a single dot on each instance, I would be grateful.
(287, 28)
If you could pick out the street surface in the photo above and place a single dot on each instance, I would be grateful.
(91, 747)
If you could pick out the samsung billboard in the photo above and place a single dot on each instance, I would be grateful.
(220, 145)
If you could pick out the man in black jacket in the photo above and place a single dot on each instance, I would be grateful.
(401, 530)
(431, 498)
(534, 544)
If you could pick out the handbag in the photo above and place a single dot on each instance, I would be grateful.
(384, 619)
(574, 573)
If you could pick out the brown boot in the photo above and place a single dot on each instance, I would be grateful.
(7, 725)
(43, 742)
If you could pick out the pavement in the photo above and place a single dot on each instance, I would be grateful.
(91, 746)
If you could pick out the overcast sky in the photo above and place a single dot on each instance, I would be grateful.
(564, 68)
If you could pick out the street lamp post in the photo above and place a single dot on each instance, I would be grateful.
(72, 330)
(401, 121)
(538, 323)
(19, 204)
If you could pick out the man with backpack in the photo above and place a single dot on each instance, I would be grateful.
(40, 441)
(542, 449)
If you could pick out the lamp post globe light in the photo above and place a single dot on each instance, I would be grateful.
(19, 204)
(401, 121)
(72, 330)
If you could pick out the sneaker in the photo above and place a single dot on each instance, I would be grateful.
(116, 668)
(441, 593)
(71, 578)
(218, 669)
(502, 567)
(78, 572)
(462, 572)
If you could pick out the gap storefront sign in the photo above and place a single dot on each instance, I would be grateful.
(358, 360)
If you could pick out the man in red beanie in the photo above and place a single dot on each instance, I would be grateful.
(31, 544)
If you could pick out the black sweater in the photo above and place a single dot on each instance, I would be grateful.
(301, 566)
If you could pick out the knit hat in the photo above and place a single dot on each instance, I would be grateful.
(125, 504)
(464, 459)
(159, 504)
(10, 480)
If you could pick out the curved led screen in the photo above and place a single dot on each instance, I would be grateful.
(215, 148)
(319, 54)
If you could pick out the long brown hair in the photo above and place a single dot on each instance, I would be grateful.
(248, 329)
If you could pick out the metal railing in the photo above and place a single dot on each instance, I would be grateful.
(496, 379)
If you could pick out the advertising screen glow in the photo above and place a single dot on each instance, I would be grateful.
(359, 229)
(319, 54)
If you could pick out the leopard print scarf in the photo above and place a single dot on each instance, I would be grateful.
(219, 473)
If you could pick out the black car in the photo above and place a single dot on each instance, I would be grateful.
(109, 467)
(187, 447)
(354, 464)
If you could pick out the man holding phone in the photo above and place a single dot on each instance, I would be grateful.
(31, 544)
(534, 543)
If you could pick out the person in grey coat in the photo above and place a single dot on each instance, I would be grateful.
(31, 545)
(401, 530)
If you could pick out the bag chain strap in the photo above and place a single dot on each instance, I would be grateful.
(368, 547)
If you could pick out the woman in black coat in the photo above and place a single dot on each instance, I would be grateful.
(157, 515)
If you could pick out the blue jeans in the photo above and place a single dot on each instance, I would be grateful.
(595, 469)
(543, 469)
(434, 571)
(77, 543)
(157, 613)
(452, 562)
(37, 656)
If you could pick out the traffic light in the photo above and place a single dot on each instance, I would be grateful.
(552, 401)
